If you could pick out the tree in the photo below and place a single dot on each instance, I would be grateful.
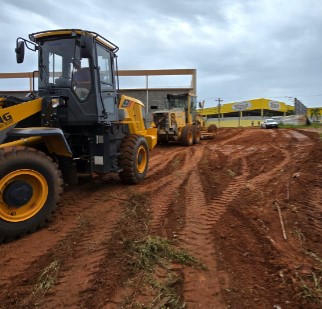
(315, 114)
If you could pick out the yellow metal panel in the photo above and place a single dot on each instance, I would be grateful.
(55, 145)
(151, 137)
(23, 142)
(54, 33)
(133, 114)
(14, 114)
(134, 119)
(69, 32)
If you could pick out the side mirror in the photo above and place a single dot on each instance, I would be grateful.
(87, 46)
(20, 51)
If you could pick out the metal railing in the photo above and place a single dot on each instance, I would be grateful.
(29, 75)
(146, 73)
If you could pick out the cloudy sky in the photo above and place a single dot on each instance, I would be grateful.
(242, 49)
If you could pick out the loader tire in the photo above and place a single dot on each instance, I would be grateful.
(187, 136)
(196, 135)
(30, 186)
(133, 159)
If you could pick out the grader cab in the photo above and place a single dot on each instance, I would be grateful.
(76, 123)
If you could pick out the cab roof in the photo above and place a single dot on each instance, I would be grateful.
(72, 32)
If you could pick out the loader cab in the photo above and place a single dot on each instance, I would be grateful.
(79, 66)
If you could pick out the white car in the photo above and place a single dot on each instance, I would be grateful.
(269, 124)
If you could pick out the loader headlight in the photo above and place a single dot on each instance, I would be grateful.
(55, 102)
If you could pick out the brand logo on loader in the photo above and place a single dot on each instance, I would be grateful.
(5, 120)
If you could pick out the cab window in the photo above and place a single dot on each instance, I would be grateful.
(81, 78)
(105, 68)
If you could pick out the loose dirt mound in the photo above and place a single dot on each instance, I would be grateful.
(234, 222)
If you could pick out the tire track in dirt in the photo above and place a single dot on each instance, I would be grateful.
(162, 197)
(164, 191)
(270, 246)
(196, 238)
(236, 135)
(289, 154)
(166, 188)
(213, 221)
(301, 146)
(32, 247)
(313, 204)
(225, 134)
(274, 170)
(78, 270)
(85, 236)
(243, 153)
(201, 216)
(220, 204)
(157, 166)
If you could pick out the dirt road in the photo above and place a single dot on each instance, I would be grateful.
(234, 222)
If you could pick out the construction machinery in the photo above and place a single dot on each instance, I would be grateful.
(73, 125)
(180, 121)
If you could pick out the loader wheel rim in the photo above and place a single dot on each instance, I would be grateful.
(17, 193)
(23, 194)
(141, 159)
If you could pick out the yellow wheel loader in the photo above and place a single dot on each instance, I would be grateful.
(75, 124)
(180, 121)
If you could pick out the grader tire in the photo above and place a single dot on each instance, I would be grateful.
(196, 135)
(30, 186)
(134, 159)
(187, 136)
(213, 130)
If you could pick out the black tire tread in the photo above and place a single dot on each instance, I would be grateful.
(20, 154)
(185, 139)
(127, 159)
(196, 134)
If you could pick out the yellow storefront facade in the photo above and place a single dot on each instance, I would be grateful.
(246, 113)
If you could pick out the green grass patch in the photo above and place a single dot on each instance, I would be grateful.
(176, 162)
(154, 250)
(166, 295)
(48, 278)
(311, 284)
(300, 236)
(142, 257)
(150, 256)
(231, 173)
(313, 125)
(315, 256)
(311, 287)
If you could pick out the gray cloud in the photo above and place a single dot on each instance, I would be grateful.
(241, 49)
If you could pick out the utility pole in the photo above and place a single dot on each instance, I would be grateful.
(219, 100)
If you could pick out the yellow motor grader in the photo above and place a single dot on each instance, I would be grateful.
(73, 125)
(181, 122)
